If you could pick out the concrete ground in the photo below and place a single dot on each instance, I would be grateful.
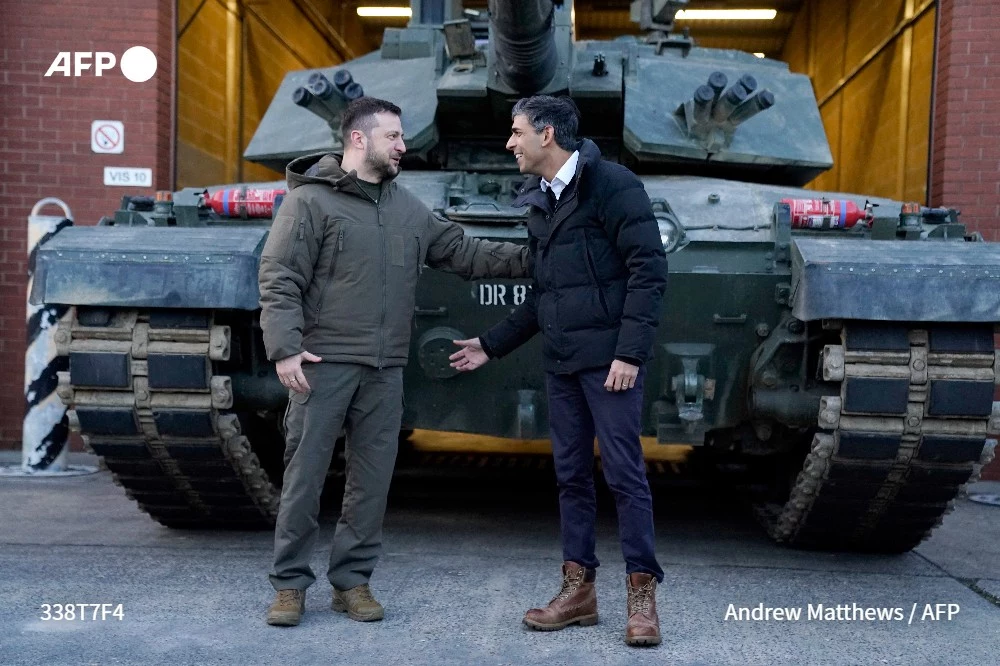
(464, 558)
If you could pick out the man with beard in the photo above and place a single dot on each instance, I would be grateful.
(338, 278)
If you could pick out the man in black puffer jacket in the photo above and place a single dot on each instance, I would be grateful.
(599, 276)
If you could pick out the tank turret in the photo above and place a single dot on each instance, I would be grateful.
(658, 103)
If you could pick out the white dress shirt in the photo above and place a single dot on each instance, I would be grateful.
(563, 176)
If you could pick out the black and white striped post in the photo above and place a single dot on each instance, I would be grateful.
(45, 429)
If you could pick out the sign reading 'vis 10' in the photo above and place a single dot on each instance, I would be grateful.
(128, 176)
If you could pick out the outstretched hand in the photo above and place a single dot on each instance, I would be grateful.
(470, 356)
(290, 371)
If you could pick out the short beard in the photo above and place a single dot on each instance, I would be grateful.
(380, 165)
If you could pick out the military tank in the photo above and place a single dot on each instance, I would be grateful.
(838, 348)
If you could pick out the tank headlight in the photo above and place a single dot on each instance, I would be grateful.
(671, 233)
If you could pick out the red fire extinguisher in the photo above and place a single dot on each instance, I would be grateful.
(245, 202)
(826, 213)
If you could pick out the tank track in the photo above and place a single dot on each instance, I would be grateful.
(142, 393)
(893, 450)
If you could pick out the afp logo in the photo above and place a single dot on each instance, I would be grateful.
(138, 64)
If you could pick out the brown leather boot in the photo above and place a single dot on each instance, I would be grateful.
(643, 626)
(575, 603)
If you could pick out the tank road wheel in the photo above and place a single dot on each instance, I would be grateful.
(142, 392)
(892, 450)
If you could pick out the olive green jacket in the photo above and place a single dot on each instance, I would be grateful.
(338, 273)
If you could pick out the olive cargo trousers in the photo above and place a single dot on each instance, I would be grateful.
(368, 404)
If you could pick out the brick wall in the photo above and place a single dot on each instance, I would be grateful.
(965, 152)
(45, 137)
(965, 164)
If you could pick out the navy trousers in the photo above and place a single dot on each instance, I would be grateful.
(579, 408)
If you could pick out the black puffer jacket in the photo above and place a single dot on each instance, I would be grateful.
(599, 271)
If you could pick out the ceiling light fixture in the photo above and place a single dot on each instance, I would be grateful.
(726, 14)
(385, 12)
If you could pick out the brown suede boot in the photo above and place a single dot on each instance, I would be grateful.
(358, 603)
(575, 603)
(286, 611)
(643, 626)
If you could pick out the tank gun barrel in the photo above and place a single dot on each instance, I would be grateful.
(524, 43)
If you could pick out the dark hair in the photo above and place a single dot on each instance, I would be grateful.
(360, 115)
(559, 112)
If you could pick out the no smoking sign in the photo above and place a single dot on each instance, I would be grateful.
(107, 136)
